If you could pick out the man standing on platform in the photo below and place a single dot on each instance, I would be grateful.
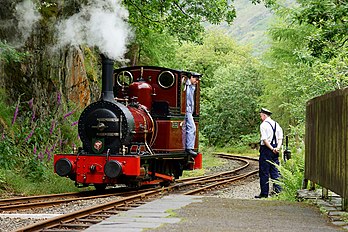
(271, 142)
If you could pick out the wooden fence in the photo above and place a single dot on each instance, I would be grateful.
(326, 158)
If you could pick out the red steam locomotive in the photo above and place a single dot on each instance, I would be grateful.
(133, 134)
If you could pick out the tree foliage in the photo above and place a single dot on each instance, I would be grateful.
(330, 18)
(174, 21)
(182, 19)
(230, 108)
(158, 22)
(230, 87)
(307, 58)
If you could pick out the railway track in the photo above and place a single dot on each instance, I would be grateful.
(82, 219)
(219, 180)
(41, 201)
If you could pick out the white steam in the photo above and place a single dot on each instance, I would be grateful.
(101, 23)
(27, 16)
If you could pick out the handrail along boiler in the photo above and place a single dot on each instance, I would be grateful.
(133, 134)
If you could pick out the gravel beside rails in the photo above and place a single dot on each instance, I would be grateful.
(244, 190)
(11, 224)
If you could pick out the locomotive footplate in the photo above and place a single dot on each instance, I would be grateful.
(164, 156)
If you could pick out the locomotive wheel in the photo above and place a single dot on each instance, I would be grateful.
(100, 187)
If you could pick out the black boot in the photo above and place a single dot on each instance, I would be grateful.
(261, 196)
(191, 152)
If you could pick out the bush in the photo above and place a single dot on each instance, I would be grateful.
(292, 174)
(28, 142)
(10, 54)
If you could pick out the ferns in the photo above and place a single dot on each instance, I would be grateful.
(291, 177)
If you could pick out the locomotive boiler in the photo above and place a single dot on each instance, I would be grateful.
(133, 134)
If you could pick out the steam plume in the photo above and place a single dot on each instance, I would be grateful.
(101, 23)
(27, 16)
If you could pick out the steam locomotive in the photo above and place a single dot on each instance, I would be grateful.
(133, 135)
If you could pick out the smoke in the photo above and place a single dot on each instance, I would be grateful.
(101, 23)
(27, 16)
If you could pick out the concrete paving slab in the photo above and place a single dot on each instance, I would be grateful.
(149, 220)
(101, 229)
(206, 214)
(117, 225)
(337, 213)
(148, 216)
(340, 223)
(145, 214)
(235, 215)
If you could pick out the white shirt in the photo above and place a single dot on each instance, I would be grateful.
(267, 131)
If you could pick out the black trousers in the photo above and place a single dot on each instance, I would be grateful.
(268, 169)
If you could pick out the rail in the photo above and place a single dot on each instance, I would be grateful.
(326, 159)
(42, 201)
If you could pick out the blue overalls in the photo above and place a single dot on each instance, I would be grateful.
(267, 167)
(189, 122)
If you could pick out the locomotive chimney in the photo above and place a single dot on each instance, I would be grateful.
(107, 79)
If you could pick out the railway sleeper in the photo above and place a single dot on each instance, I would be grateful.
(92, 221)
(80, 225)
(99, 215)
(136, 204)
(59, 230)
(122, 208)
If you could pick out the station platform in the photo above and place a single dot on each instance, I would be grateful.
(199, 213)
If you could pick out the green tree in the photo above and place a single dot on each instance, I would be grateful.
(229, 109)
(158, 21)
(307, 58)
(182, 19)
(330, 18)
(230, 87)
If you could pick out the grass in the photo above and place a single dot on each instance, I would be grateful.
(209, 160)
(239, 150)
(12, 183)
(345, 217)
(171, 213)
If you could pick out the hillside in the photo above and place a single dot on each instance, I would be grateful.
(250, 26)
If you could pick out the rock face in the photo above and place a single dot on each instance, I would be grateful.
(36, 68)
(75, 81)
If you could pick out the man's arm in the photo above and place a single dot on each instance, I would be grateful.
(274, 150)
(280, 142)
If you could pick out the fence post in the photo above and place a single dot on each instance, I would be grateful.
(325, 193)
(312, 186)
(345, 204)
(304, 183)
